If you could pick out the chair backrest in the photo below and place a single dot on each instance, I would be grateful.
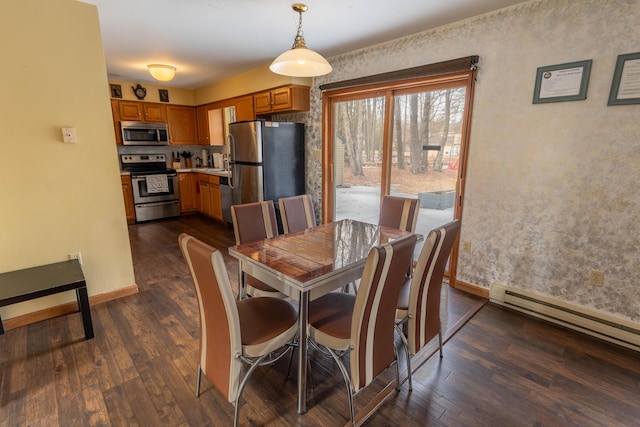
(424, 296)
(297, 213)
(254, 221)
(220, 340)
(372, 323)
(399, 212)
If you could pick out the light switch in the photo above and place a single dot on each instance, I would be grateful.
(69, 135)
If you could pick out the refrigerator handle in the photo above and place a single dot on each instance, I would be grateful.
(231, 157)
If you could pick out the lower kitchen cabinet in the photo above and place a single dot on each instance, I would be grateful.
(127, 194)
(187, 191)
(210, 202)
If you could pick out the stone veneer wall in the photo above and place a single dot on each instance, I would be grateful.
(551, 188)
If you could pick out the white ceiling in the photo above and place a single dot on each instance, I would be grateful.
(210, 40)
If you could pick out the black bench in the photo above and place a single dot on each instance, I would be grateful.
(30, 283)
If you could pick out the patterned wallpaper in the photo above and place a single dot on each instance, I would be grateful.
(551, 188)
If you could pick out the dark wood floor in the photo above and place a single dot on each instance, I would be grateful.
(500, 369)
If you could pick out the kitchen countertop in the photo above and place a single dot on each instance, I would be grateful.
(209, 171)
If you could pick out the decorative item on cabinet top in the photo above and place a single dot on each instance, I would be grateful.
(139, 91)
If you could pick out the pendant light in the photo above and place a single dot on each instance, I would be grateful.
(300, 61)
(162, 73)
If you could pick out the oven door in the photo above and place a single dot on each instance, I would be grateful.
(144, 193)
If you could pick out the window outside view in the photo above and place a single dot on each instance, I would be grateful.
(426, 138)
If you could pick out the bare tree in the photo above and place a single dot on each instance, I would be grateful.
(397, 134)
(425, 129)
(414, 136)
(445, 130)
(352, 114)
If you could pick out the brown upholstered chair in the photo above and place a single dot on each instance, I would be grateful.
(418, 308)
(297, 213)
(399, 212)
(233, 332)
(363, 325)
(251, 222)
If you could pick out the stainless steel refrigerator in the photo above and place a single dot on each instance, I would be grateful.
(266, 160)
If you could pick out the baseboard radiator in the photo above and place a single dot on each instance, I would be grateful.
(609, 328)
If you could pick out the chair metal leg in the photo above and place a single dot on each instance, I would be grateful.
(347, 383)
(405, 343)
(198, 377)
(309, 374)
(253, 367)
(395, 353)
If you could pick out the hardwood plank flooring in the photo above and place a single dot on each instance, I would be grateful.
(501, 368)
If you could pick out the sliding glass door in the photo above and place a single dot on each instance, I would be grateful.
(407, 140)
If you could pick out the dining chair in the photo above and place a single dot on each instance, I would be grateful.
(233, 332)
(297, 213)
(251, 222)
(399, 212)
(418, 310)
(363, 325)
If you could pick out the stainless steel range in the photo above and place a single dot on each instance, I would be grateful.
(156, 191)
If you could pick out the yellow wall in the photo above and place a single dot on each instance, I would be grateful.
(58, 198)
(176, 95)
(252, 81)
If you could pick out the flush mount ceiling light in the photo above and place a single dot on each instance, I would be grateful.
(300, 61)
(163, 73)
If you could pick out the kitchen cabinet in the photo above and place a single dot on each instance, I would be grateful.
(115, 112)
(188, 194)
(210, 202)
(202, 119)
(127, 194)
(282, 99)
(142, 111)
(244, 108)
(213, 124)
(182, 125)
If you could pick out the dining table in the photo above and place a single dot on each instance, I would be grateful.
(310, 263)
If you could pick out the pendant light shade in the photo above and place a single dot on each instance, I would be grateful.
(300, 61)
(162, 73)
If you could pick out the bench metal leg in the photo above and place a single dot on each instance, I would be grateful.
(83, 305)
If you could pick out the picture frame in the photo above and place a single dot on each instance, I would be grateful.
(562, 82)
(625, 86)
(116, 91)
(164, 95)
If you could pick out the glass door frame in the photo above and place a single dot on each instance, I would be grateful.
(388, 90)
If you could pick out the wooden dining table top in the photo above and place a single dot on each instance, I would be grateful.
(307, 258)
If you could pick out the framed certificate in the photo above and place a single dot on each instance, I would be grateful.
(562, 82)
(625, 87)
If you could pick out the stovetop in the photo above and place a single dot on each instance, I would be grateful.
(145, 164)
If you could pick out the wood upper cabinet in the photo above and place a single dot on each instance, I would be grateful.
(244, 108)
(182, 125)
(202, 118)
(127, 194)
(115, 112)
(282, 99)
(142, 111)
(188, 194)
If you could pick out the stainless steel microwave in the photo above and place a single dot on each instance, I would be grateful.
(144, 133)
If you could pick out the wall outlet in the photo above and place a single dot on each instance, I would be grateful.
(69, 135)
(466, 247)
(596, 278)
(76, 255)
